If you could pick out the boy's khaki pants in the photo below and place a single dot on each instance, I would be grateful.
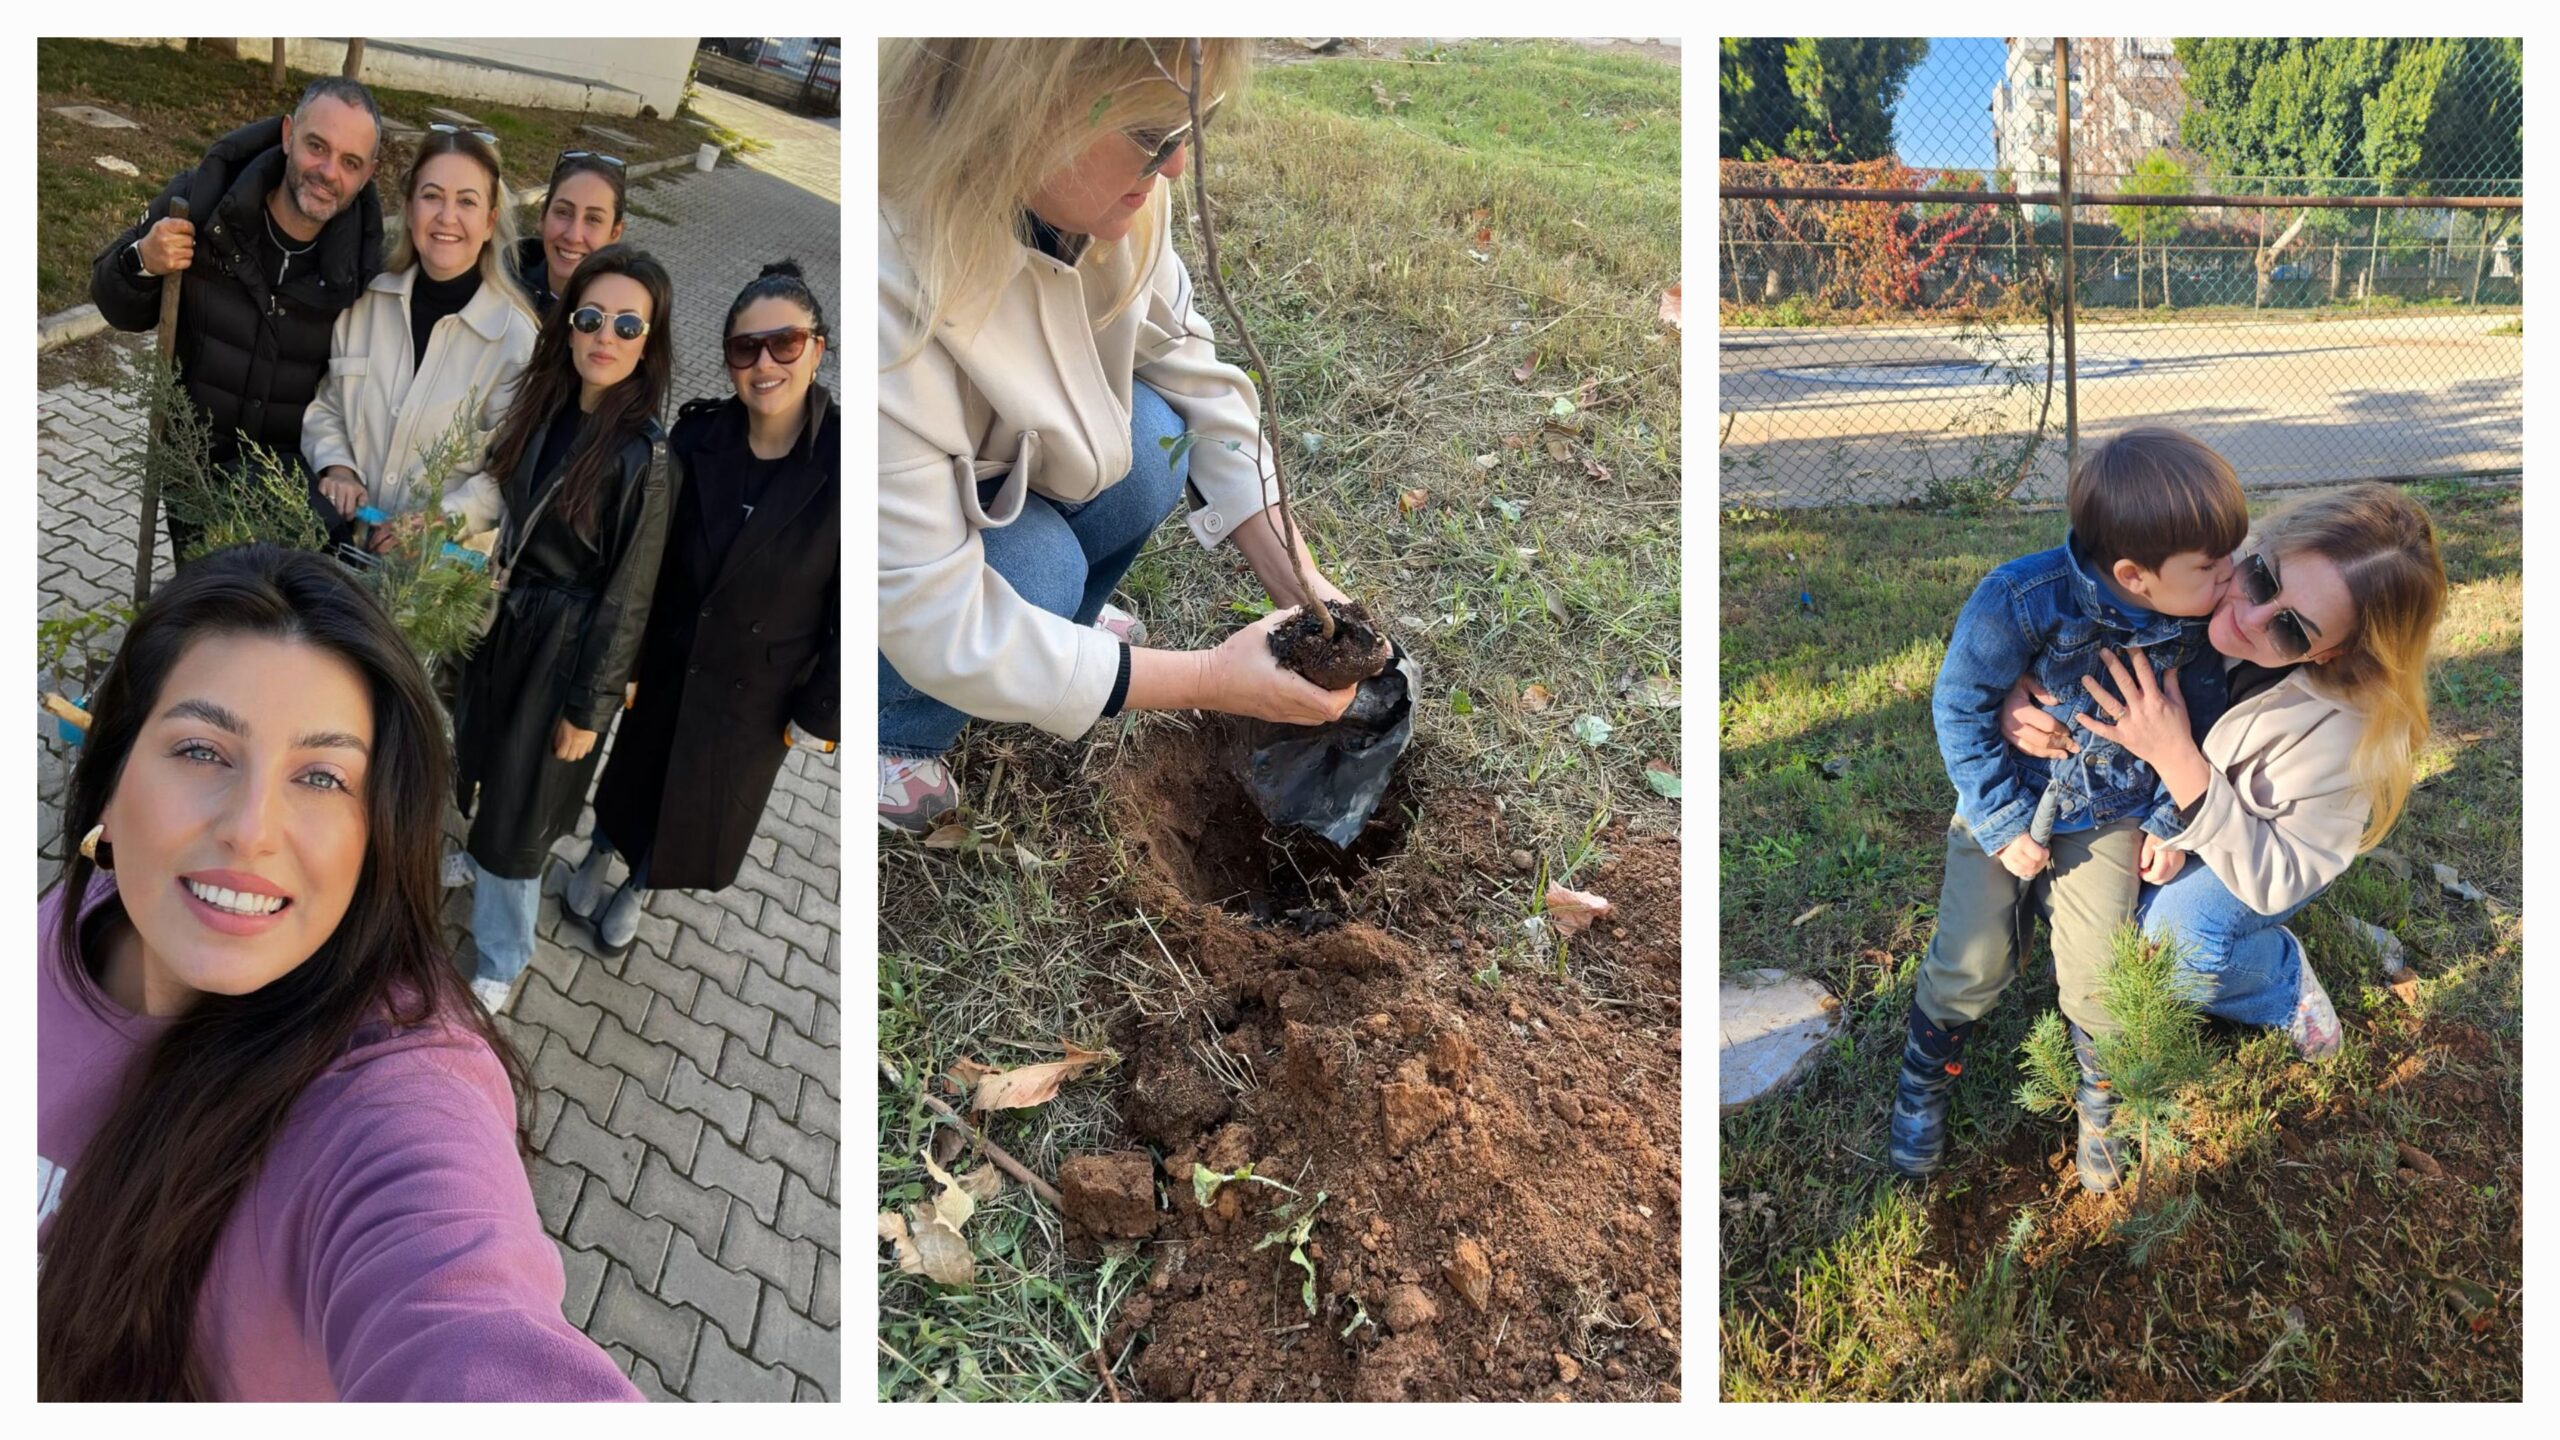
(2086, 895)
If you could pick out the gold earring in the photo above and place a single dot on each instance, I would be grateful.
(95, 849)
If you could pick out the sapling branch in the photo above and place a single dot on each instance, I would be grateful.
(1244, 335)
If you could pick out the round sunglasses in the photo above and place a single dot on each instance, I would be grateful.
(783, 343)
(2260, 584)
(588, 319)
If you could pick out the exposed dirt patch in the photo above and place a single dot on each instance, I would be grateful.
(1500, 1166)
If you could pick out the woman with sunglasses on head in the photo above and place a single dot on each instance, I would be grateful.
(442, 328)
(582, 212)
(584, 466)
(741, 658)
(1041, 350)
(279, 1149)
(2324, 637)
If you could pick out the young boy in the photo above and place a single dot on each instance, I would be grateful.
(2155, 516)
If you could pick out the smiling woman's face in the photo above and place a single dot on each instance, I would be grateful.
(1100, 195)
(239, 823)
(2311, 600)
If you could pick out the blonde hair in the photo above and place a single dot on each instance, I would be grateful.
(2385, 549)
(971, 129)
(502, 229)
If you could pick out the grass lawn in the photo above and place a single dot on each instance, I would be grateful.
(1459, 295)
(184, 102)
(2321, 1260)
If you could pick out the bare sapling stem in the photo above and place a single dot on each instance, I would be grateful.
(1261, 368)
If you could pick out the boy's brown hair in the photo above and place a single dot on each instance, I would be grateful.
(2151, 493)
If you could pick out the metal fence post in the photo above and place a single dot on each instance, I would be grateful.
(2070, 276)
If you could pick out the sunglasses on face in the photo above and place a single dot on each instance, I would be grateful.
(2260, 584)
(783, 344)
(483, 136)
(1162, 145)
(588, 319)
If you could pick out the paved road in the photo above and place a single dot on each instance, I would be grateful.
(688, 1117)
(2289, 403)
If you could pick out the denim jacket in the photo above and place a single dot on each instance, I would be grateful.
(2047, 615)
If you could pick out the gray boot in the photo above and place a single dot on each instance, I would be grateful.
(585, 889)
(621, 922)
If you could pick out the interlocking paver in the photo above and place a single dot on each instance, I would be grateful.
(696, 1211)
(727, 1296)
(638, 1242)
(644, 1112)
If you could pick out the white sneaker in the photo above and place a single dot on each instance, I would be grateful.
(492, 994)
(915, 794)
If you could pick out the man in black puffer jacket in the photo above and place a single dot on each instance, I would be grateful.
(286, 231)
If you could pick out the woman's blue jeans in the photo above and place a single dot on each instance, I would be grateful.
(1066, 559)
(503, 912)
(2250, 966)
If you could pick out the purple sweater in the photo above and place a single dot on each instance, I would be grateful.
(388, 1249)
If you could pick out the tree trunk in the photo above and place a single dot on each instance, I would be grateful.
(2372, 256)
(354, 68)
(2336, 274)
(275, 64)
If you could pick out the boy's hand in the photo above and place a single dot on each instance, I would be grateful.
(2024, 857)
(2160, 862)
(2028, 729)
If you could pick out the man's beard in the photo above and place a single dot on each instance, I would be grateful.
(294, 196)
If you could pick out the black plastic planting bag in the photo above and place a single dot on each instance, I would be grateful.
(1328, 778)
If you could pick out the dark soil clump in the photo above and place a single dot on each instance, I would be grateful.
(1357, 650)
(1500, 1162)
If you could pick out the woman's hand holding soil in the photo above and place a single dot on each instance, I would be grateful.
(1239, 677)
(2150, 721)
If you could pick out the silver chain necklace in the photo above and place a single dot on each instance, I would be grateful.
(290, 254)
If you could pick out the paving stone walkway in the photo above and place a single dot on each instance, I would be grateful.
(688, 1119)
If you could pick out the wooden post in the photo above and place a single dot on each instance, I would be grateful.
(275, 64)
(354, 68)
(2070, 280)
(171, 285)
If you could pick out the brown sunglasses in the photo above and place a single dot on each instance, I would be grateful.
(783, 344)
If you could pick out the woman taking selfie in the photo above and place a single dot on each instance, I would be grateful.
(277, 1145)
(1039, 338)
(583, 463)
(442, 327)
(581, 214)
(741, 658)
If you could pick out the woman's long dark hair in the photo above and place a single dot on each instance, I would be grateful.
(117, 1288)
(551, 381)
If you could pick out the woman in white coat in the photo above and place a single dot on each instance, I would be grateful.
(443, 332)
(2324, 640)
(1041, 351)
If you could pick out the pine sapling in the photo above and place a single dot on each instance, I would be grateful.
(2155, 1053)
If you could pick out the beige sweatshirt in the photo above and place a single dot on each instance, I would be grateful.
(1033, 384)
(2282, 814)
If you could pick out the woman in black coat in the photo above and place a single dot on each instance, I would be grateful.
(740, 663)
(583, 465)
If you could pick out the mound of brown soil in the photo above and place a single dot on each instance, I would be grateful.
(1355, 651)
(1500, 1167)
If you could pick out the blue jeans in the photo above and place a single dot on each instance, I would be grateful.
(2250, 965)
(1063, 558)
(502, 916)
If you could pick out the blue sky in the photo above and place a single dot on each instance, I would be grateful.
(1943, 119)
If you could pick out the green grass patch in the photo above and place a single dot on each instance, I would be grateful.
(1838, 1285)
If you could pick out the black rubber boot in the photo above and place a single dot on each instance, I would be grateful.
(1932, 1058)
(2103, 1158)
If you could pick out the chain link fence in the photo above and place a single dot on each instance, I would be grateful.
(2307, 253)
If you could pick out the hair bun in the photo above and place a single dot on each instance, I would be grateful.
(782, 267)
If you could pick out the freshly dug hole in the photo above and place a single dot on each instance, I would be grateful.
(1356, 651)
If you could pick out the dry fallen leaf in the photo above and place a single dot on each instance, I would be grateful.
(1515, 442)
(1484, 238)
(1593, 469)
(927, 1238)
(1480, 215)
(1557, 450)
(1809, 914)
(984, 1183)
(1629, 127)
(1537, 697)
(1412, 500)
(1032, 1084)
(951, 837)
(1573, 910)
(1527, 367)
(1488, 459)
(947, 1143)
(1671, 306)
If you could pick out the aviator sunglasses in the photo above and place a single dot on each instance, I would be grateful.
(1162, 145)
(2260, 584)
(784, 344)
(588, 319)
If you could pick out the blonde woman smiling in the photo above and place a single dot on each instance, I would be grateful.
(1039, 339)
(441, 329)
